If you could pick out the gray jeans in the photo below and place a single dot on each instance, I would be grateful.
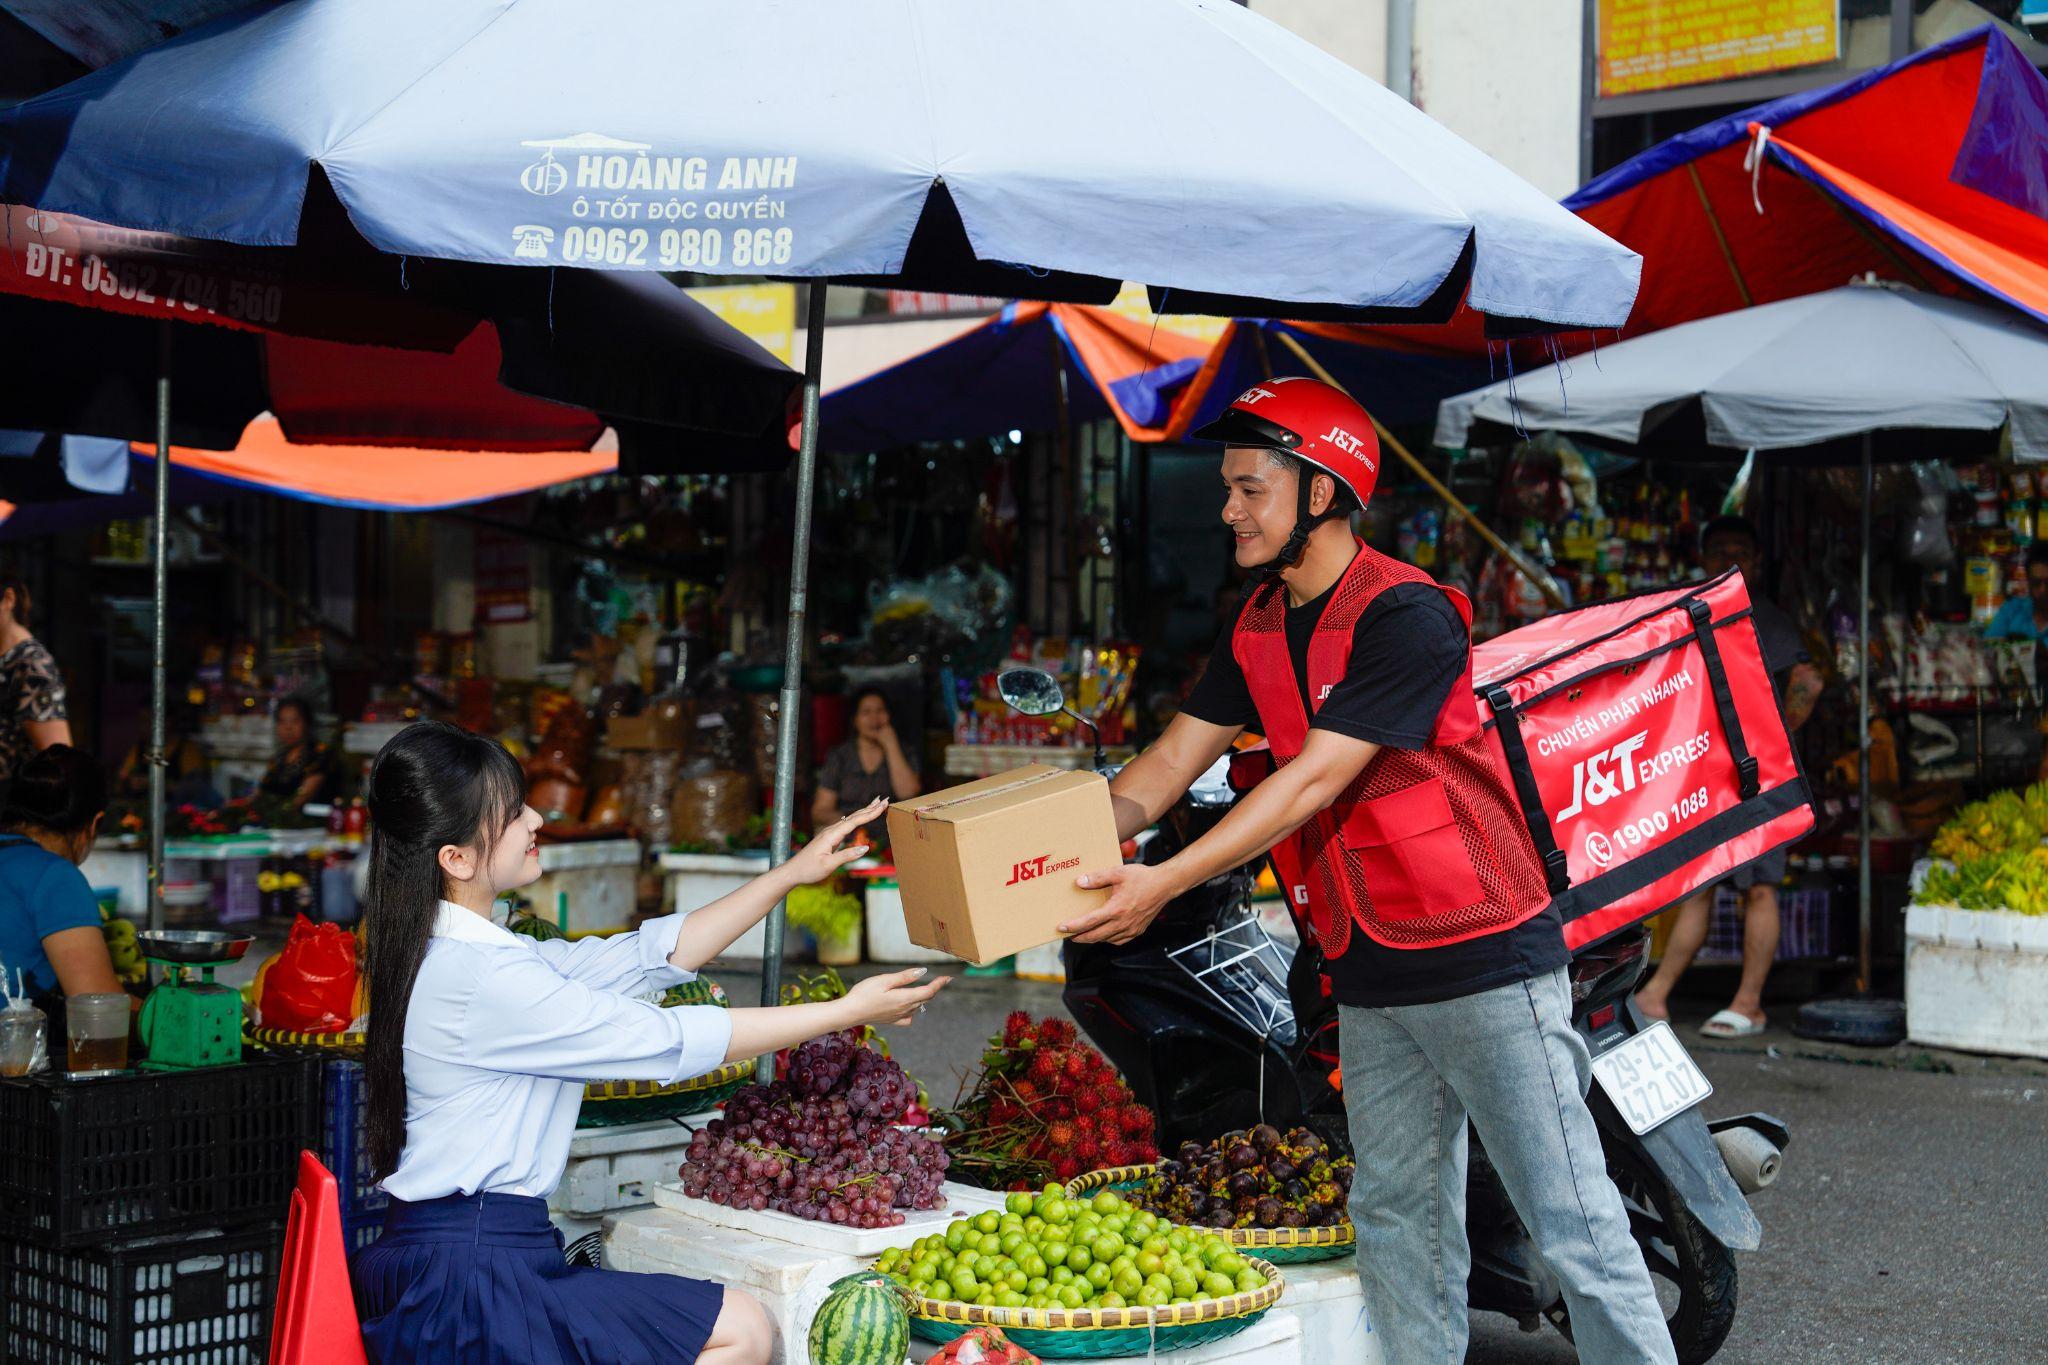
(1510, 1061)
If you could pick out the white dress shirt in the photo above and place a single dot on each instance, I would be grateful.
(502, 1033)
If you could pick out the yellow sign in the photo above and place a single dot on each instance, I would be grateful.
(1132, 302)
(765, 312)
(1656, 44)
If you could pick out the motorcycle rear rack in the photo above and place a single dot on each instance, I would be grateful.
(1245, 971)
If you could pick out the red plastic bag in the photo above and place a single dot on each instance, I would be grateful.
(311, 988)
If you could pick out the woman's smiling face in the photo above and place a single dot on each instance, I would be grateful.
(515, 857)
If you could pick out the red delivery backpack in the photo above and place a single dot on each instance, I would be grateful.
(1646, 747)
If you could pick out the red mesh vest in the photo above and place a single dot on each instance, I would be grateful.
(1425, 847)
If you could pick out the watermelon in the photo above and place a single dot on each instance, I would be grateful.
(862, 1322)
(534, 927)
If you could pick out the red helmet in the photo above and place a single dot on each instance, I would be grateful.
(1318, 422)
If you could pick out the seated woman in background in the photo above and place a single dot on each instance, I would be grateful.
(869, 767)
(303, 769)
(49, 920)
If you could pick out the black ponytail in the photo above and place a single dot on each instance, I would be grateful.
(61, 790)
(433, 785)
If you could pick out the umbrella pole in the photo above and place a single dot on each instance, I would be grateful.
(780, 840)
(1863, 977)
(160, 568)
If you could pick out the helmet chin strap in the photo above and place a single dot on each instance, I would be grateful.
(1305, 523)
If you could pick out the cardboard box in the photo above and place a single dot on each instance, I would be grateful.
(988, 869)
(655, 728)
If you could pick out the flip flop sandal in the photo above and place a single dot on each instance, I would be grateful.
(1729, 1024)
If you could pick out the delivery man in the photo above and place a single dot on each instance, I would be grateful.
(1419, 879)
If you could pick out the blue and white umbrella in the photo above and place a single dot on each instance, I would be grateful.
(1030, 148)
(1186, 144)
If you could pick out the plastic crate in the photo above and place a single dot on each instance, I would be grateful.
(204, 1298)
(152, 1153)
(345, 1150)
(1804, 927)
(237, 893)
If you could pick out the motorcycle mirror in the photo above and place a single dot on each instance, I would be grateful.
(1032, 691)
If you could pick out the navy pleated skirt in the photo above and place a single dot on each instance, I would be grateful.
(481, 1278)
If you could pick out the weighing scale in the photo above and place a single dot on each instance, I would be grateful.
(188, 1023)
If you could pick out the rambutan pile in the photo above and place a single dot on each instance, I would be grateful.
(1045, 1107)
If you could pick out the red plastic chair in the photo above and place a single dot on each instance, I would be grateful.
(315, 1323)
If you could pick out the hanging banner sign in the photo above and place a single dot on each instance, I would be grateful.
(62, 258)
(1658, 44)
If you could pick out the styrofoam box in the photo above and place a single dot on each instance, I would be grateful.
(888, 935)
(775, 1273)
(617, 1168)
(1330, 1302)
(961, 1200)
(1977, 980)
(697, 879)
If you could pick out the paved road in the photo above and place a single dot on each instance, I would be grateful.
(1908, 1225)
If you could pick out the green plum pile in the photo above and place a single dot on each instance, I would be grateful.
(1258, 1179)
(1048, 1251)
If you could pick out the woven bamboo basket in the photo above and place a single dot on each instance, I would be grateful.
(605, 1103)
(323, 1044)
(1281, 1246)
(610, 1103)
(1094, 1333)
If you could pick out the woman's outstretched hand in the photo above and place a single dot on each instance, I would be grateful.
(823, 856)
(892, 998)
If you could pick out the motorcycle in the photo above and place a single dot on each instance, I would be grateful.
(1217, 1024)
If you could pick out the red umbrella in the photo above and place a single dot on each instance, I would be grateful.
(1928, 171)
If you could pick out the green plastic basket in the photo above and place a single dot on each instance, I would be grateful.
(1278, 1246)
(1098, 1333)
(607, 1104)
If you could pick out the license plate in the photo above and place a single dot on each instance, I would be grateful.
(1650, 1079)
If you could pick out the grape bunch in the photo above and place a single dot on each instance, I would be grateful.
(1262, 1178)
(819, 1065)
(833, 1156)
(879, 1088)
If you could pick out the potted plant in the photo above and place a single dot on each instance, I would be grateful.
(831, 917)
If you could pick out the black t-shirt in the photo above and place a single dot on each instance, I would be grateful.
(1407, 653)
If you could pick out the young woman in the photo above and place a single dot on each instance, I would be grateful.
(303, 769)
(480, 1042)
(869, 767)
(49, 921)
